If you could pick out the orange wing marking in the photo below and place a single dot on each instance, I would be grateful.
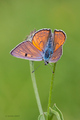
(40, 39)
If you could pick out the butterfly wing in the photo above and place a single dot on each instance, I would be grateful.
(40, 38)
(26, 50)
(59, 39)
(56, 55)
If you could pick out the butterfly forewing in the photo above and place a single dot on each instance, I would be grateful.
(40, 39)
(59, 39)
(27, 50)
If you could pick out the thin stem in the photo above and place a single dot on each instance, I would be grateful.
(51, 89)
(35, 88)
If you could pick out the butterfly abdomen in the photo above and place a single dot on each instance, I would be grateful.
(48, 50)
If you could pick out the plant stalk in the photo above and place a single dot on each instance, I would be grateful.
(51, 89)
(35, 89)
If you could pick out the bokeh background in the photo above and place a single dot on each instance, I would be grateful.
(17, 19)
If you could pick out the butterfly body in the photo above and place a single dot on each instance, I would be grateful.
(48, 51)
(41, 45)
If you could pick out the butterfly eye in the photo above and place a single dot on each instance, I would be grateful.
(25, 54)
(51, 52)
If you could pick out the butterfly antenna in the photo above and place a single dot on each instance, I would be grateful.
(50, 66)
(37, 67)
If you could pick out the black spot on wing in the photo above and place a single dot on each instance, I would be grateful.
(25, 54)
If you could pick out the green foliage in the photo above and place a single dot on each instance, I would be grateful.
(55, 111)
(52, 111)
(42, 116)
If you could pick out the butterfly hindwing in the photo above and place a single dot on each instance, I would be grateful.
(56, 55)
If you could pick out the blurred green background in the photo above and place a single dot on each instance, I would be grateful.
(17, 19)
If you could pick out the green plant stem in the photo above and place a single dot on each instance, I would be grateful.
(51, 89)
(35, 88)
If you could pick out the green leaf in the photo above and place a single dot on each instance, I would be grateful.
(55, 111)
(42, 116)
(52, 111)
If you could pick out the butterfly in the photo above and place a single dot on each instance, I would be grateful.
(41, 45)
